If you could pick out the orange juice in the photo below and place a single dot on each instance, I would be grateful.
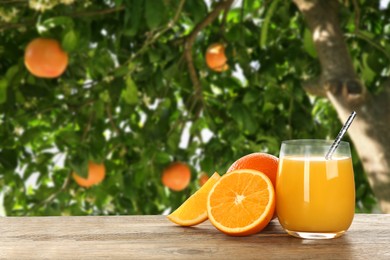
(315, 195)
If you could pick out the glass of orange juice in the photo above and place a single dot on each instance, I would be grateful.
(315, 197)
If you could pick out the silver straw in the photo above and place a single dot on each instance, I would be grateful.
(337, 141)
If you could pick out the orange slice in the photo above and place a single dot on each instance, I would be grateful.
(241, 203)
(193, 211)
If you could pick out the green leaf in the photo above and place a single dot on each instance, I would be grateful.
(70, 41)
(44, 158)
(162, 157)
(266, 24)
(373, 61)
(133, 17)
(3, 90)
(30, 134)
(367, 73)
(208, 165)
(308, 44)
(235, 33)
(12, 72)
(366, 34)
(97, 151)
(171, 70)
(104, 96)
(9, 159)
(197, 9)
(250, 97)
(68, 138)
(154, 55)
(243, 118)
(154, 13)
(130, 93)
(361, 190)
(79, 165)
(65, 22)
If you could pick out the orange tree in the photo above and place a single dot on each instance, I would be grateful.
(137, 95)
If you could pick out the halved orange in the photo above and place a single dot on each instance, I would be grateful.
(193, 211)
(241, 203)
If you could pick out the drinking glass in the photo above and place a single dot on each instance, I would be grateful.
(315, 197)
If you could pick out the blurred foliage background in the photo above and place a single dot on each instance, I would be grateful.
(128, 98)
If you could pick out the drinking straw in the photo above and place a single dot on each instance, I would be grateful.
(342, 132)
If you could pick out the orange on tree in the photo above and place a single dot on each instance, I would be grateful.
(96, 174)
(45, 58)
(241, 203)
(176, 176)
(193, 211)
(263, 162)
(216, 58)
(203, 179)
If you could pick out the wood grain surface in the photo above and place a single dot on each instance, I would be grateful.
(154, 237)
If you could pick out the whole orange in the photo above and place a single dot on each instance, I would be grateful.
(263, 162)
(176, 176)
(96, 174)
(216, 58)
(45, 58)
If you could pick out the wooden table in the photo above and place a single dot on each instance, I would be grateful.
(154, 237)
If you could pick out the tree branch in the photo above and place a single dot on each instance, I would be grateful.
(88, 126)
(224, 18)
(53, 195)
(313, 87)
(198, 97)
(110, 117)
(322, 19)
(361, 34)
(14, 2)
(154, 37)
(7, 26)
(177, 15)
(374, 44)
(338, 74)
(357, 14)
(99, 12)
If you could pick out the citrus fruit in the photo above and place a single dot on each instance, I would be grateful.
(176, 176)
(203, 179)
(96, 174)
(193, 211)
(263, 162)
(45, 58)
(241, 203)
(216, 58)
